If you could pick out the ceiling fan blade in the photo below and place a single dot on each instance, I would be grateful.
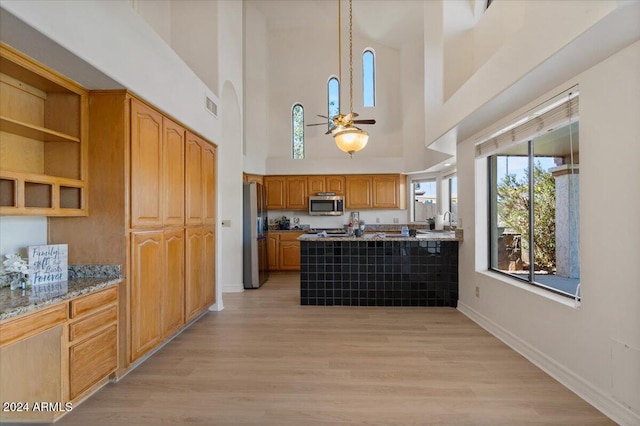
(317, 124)
(369, 121)
(322, 116)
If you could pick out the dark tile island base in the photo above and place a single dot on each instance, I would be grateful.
(379, 273)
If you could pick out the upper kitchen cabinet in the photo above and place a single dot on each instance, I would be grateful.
(43, 140)
(286, 192)
(388, 192)
(275, 187)
(297, 193)
(333, 183)
(375, 192)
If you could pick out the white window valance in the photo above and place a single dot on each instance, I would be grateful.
(552, 114)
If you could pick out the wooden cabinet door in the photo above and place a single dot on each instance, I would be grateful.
(173, 289)
(296, 190)
(146, 166)
(92, 360)
(209, 267)
(194, 273)
(315, 184)
(335, 184)
(386, 192)
(209, 184)
(358, 192)
(273, 247)
(290, 255)
(193, 180)
(147, 276)
(275, 187)
(173, 172)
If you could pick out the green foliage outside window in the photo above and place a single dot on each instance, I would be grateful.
(513, 211)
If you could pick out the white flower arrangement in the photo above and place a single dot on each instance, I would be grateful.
(15, 263)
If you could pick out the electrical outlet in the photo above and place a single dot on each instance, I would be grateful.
(377, 220)
(396, 220)
(477, 292)
(226, 223)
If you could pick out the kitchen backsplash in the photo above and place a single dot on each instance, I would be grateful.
(370, 217)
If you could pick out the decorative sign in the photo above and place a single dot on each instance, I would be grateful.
(48, 264)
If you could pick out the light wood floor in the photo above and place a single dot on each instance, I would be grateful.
(266, 360)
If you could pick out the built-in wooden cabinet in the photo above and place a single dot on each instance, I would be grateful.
(284, 251)
(200, 273)
(273, 244)
(320, 183)
(156, 182)
(43, 140)
(361, 192)
(173, 283)
(358, 192)
(146, 282)
(375, 192)
(58, 354)
(276, 189)
(296, 193)
(173, 165)
(146, 166)
(93, 340)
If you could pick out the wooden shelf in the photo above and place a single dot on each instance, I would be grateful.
(34, 132)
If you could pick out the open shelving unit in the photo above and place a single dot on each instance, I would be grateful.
(43, 139)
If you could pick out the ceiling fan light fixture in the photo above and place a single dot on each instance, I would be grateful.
(350, 139)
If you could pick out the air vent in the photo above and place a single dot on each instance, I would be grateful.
(211, 106)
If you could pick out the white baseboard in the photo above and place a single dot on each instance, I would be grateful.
(585, 390)
(233, 288)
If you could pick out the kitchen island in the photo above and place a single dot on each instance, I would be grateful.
(379, 270)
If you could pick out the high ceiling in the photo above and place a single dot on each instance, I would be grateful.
(391, 23)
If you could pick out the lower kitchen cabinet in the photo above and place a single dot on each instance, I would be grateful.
(284, 251)
(93, 360)
(173, 285)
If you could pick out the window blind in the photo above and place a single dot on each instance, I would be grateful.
(553, 114)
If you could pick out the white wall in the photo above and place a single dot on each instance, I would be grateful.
(18, 233)
(256, 83)
(194, 36)
(156, 13)
(459, 20)
(299, 68)
(116, 41)
(594, 349)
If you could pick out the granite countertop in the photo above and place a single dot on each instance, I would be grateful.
(430, 236)
(81, 281)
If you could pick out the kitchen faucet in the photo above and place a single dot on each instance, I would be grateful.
(450, 219)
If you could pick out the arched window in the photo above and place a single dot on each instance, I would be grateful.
(333, 96)
(368, 78)
(297, 132)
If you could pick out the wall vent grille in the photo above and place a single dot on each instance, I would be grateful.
(211, 106)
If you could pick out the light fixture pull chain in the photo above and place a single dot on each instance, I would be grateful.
(350, 58)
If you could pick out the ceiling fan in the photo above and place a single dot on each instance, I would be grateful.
(343, 121)
(348, 137)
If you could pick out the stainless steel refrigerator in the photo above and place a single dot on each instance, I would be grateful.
(254, 235)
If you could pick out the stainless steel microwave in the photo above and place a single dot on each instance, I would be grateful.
(326, 205)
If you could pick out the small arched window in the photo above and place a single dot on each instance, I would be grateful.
(368, 78)
(297, 132)
(333, 96)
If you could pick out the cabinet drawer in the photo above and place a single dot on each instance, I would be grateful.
(85, 304)
(290, 236)
(92, 360)
(30, 325)
(85, 327)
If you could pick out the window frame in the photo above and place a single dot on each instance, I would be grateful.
(366, 51)
(493, 218)
(330, 124)
(293, 132)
